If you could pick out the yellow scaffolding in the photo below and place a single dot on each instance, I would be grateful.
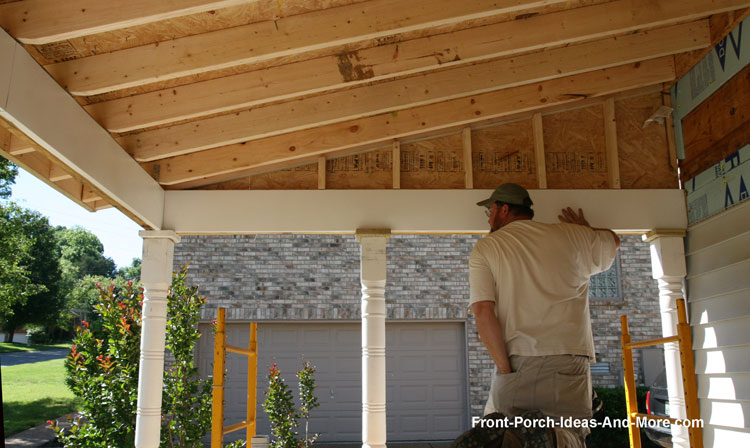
(685, 344)
(220, 351)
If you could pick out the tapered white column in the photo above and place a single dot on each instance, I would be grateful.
(373, 275)
(156, 276)
(668, 268)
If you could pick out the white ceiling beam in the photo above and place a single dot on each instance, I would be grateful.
(39, 22)
(406, 211)
(37, 106)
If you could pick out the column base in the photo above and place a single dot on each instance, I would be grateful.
(364, 445)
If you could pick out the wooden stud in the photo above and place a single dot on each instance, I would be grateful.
(414, 121)
(56, 174)
(304, 78)
(468, 167)
(321, 173)
(396, 165)
(539, 156)
(272, 41)
(88, 195)
(610, 139)
(38, 22)
(286, 37)
(101, 205)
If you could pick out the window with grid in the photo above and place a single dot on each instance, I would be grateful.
(606, 285)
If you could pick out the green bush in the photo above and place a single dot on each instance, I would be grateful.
(103, 371)
(613, 400)
(279, 407)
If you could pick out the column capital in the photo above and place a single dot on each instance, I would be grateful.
(170, 234)
(661, 233)
(364, 233)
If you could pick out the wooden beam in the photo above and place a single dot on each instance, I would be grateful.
(468, 169)
(307, 77)
(414, 121)
(56, 174)
(260, 122)
(19, 146)
(101, 205)
(321, 173)
(669, 125)
(407, 211)
(207, 182)
(90, 195)
(610, 140)
(396, 165)
(285, 37)
(37, 106)
(38, 22)
(541, 160)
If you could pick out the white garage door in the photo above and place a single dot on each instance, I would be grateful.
(426, 376)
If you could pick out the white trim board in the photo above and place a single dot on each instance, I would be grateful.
(47, 114)
(406, 211)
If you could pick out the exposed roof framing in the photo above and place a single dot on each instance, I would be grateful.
(217, 94)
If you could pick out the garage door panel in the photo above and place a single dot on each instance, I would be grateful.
(425, 366)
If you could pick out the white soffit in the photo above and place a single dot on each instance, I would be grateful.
(406, 211)
(33, 102)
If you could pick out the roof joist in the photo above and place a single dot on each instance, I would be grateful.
(433, 117)
(261, 122)
(365, 65)
(38, 22)
(285, 37)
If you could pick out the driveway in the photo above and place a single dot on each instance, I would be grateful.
(15, 358)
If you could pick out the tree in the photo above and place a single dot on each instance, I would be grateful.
(132, 272)
(34, 289)
(8, 173)
(81, 254)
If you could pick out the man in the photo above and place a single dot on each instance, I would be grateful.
(529, 288)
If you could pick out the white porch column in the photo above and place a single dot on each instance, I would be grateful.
(669, 270)
(156, 276)
(373, 273)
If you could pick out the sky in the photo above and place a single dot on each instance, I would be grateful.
(117, 232)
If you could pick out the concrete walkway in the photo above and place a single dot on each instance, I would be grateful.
(16, 358)
(37, 436)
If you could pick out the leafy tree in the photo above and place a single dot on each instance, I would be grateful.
(279, 407)
(8, 173)
(81, 254)
(15, 276)
(83, 298)
(132, 272)
(38, 302)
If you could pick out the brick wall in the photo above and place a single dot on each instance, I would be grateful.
(316, 277)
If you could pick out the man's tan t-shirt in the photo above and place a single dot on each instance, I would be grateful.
(538, 276)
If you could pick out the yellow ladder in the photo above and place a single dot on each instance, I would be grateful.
(685, 343)
(220, 352)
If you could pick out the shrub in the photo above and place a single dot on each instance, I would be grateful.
(103, 371)
(613, 400)
(279, 407)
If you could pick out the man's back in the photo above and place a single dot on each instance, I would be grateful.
(538, 276)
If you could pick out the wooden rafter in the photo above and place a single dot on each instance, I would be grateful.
(366, 65)
(284, 37)
(40, 22)
(417, 120)
(406, 93)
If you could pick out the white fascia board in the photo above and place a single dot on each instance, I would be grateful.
(406, 211)
(46, 113)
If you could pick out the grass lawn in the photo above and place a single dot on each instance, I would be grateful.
(9, 347)
(34, 393)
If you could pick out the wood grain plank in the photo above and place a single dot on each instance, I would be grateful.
(418, 120)
(393, 96)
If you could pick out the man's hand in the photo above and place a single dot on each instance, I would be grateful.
(569, 216)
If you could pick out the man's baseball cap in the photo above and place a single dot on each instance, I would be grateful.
(510, 194)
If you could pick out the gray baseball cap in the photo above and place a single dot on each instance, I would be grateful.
(510, 194)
